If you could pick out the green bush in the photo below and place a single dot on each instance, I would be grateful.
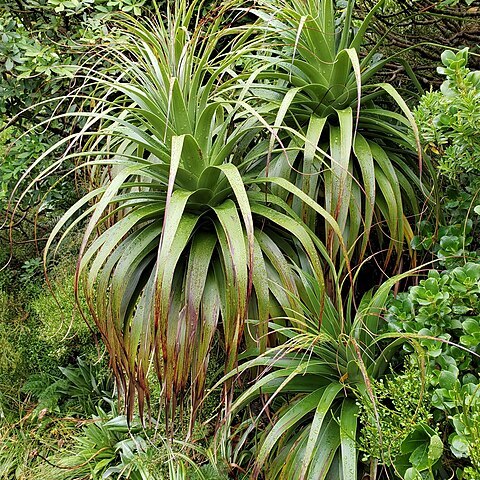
(397, 428)
(444, 311)
(448, 119)
(446, 306)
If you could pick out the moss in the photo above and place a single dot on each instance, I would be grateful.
(14, 331)
(62, 333)
(41, 332)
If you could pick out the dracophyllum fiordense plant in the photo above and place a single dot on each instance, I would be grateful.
(183, 237)
(359, 160)
(321, 362)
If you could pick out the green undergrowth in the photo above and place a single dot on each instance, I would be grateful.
(42, 329)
